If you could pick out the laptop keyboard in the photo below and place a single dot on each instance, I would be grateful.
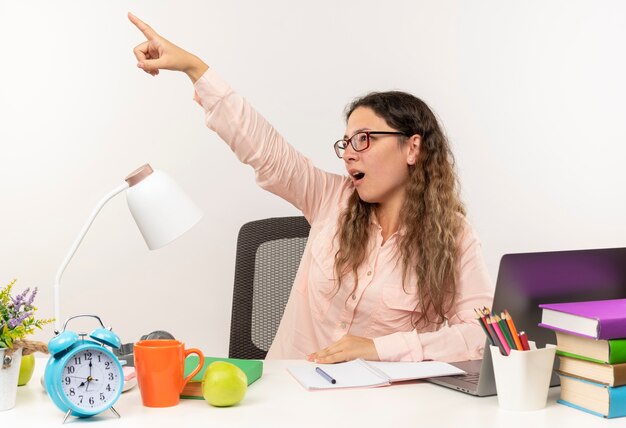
(470, 378)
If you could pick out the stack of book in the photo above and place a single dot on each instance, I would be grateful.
(591, 345)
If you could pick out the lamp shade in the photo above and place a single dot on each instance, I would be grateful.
(161, 209)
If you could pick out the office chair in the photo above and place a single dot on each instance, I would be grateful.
(268, 256)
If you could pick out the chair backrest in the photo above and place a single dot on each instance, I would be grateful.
(268, 256)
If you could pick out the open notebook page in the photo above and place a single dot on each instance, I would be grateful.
(399, 371)
(360, 374)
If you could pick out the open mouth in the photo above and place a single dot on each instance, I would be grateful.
(358, 176)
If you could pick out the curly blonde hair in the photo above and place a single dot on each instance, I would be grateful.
(429, 216)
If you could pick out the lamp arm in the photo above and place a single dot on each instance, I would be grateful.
(68, 258)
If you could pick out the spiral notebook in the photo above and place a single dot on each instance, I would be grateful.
(365, 374)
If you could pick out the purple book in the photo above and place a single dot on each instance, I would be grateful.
(598, 319)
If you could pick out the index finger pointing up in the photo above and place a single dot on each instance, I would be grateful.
(143, 27)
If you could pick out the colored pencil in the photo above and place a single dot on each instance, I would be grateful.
(501, 331)
(486, 314)
(493, 338)
(483, 324)
(524, 339)
(502, 340)
(505, 331)
(494, 335)
(511, 324)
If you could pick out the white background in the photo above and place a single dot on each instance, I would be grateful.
(531, 95)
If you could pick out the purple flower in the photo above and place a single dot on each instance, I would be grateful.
(17, 315)
(31, 298)
(22, 301)
(14, 322)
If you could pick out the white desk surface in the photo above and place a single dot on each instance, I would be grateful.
(277, 400)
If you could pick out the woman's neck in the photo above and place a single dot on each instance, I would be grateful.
(388, 218)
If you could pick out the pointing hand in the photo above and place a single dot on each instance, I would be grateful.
(157, 53)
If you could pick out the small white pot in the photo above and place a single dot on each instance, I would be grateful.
(8, 379)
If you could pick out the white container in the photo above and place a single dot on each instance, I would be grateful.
(8, 379)
(523, 377)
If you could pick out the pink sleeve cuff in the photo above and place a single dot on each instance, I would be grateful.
(400, 346)
(210, 89)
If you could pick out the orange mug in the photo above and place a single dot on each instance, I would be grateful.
(160, 366)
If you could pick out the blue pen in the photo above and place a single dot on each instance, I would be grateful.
(325, 375)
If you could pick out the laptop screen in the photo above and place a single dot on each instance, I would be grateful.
(527, 280)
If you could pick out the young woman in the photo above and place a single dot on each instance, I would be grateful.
(392, 270)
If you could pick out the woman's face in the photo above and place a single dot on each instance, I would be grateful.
(380, 172)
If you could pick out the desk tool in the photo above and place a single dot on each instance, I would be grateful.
(83, 377)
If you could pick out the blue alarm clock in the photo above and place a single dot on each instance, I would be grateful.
(83, 377)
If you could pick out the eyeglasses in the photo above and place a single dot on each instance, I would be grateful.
(359, 141)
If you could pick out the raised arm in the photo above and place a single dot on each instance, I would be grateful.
(279, 168)
(157, 53)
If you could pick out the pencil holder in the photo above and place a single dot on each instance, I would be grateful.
(523, 377)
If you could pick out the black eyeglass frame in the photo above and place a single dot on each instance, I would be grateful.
(338, 144)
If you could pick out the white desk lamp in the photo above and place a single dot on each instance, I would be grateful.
(162, 211)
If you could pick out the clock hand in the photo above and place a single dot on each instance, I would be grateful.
(89, 378)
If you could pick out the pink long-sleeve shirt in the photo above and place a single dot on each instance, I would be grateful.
(379, 308)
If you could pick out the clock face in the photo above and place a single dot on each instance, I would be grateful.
(91, 379)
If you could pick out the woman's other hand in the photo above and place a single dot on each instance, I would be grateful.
(345, 349)
(157, 53)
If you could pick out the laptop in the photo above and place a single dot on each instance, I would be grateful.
(527, 280)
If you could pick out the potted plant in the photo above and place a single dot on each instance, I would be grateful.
(17, 321)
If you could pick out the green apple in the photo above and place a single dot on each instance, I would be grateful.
(224, 384)
(27, 367)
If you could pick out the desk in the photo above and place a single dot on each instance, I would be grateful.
(277, 400)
